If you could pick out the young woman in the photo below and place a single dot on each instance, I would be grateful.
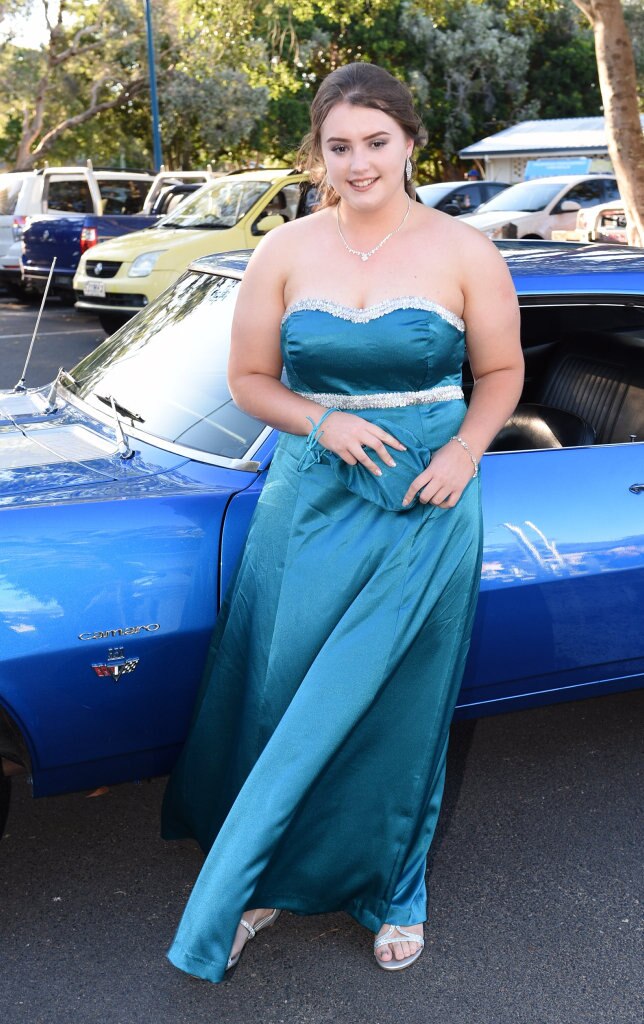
(314, 769)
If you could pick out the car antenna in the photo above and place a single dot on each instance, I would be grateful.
(21, 386)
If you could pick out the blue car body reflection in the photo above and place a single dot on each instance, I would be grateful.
(113, 563)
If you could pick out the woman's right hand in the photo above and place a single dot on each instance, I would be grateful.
(348, 436)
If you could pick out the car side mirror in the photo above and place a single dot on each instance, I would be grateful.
(266, 224)
(568, 206)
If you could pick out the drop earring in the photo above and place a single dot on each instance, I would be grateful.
(408, 169)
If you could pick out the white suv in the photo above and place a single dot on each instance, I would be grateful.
(20, 197)
(533, 209)
(58, 190)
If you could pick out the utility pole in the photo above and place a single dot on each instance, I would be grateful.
(154, 101)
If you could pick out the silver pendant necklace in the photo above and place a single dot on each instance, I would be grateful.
(365, 255)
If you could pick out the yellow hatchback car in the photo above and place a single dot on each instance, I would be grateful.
(117, 278)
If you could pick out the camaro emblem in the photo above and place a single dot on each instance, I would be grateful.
(98, 270)
(103, 634)
(116, 665)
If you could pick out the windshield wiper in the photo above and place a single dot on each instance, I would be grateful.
(122, 409)
(202, 225)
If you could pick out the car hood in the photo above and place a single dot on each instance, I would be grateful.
(496, 218)
(67, 457)
(126, 248)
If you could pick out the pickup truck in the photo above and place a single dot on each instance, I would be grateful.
(93, 208)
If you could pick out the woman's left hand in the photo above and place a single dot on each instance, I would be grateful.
(445, 479)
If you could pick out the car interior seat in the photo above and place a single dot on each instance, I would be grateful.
(592, 391)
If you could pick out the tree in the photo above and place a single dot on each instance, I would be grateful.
(618, 83)
(88, 45)
(471, 76)
(207, 116)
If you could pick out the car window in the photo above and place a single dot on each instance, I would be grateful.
(285, 202)
(527, 196)
(168, 365)
(217, 206)
(122, 197)
(309, 200)
(10, 185)
(466, 197)
(492, 188)
(432, 194)
(69, 196)
(611, 191)
(586, 193)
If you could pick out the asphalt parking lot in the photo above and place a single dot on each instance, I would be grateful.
(536, 878)
(535, 912)
(64, 336)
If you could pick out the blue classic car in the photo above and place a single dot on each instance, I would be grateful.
(127, 486)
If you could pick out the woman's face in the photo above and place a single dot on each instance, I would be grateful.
(364, 151)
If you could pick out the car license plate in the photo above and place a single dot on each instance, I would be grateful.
(95, 289)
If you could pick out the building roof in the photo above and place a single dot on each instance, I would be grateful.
(585, 136)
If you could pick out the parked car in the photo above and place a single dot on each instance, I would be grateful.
(20, 197)
(120, 277)
(175, 180)
(605, 222)
(127, 486)
(533, 209)
(79, 209)
(458, 197)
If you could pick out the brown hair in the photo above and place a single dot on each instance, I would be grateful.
(362, 85)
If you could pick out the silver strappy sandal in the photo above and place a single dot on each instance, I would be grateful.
(386, 940)
(252, 929)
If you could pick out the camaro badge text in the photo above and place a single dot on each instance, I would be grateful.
(125, 631)
(117, 665)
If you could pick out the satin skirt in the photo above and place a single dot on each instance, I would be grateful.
(313, 772)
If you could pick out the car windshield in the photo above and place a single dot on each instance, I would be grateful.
(220, 205)
(168, 365)
(435, 192)
(528, 196)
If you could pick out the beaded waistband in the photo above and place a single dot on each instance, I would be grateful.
(384, 400)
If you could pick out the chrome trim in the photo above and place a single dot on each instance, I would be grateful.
(236, 275)
(94, 307)
(545, 301)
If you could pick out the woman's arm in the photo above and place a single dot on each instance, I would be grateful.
(491, 313)
(255, 363)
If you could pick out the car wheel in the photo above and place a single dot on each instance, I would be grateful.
(111, 322)
(5, 798)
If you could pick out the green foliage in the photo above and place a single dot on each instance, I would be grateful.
(236, 77)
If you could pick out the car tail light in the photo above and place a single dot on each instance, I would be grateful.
(18, 226)
(88, 238)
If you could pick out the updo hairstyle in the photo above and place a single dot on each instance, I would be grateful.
(362, 85)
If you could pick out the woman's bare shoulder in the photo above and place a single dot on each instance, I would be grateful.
(284, 247)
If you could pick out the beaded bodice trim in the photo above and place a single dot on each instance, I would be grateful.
(384, 400)
(363, 316)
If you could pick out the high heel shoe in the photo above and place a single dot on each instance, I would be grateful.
(252, 929)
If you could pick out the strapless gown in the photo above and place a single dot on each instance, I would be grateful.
(313, 772)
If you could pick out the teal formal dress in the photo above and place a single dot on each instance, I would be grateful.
(313, 773)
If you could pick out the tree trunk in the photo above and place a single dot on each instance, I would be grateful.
(618, 83)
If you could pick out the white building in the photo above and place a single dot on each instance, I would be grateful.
(570, 145)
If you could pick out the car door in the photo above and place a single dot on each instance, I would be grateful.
(562, 583)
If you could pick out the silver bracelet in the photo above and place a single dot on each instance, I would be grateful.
(465, 445)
